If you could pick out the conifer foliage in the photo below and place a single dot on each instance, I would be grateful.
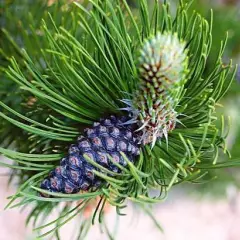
(96, 63)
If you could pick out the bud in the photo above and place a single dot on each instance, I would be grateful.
(162, 72)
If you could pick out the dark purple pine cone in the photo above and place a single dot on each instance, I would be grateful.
(109, 136)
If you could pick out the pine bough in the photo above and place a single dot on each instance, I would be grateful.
(143, 74)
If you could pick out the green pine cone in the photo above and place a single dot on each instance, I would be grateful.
(163, 70)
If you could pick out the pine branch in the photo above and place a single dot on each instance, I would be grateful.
(86, 66)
